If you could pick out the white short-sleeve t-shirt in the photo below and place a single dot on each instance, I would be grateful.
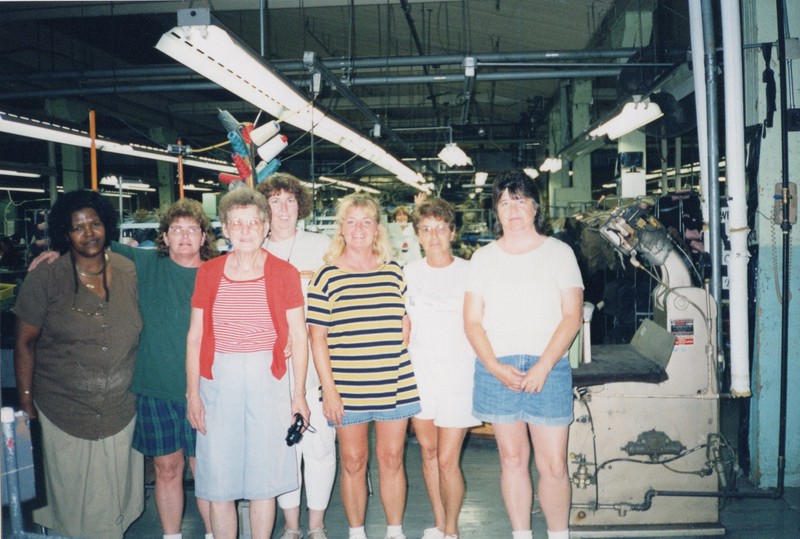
(521, 294)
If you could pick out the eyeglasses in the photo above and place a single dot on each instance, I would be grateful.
(439, 230)
(252, 224)
(181, 230)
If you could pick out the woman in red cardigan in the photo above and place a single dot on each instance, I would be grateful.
(246, 306)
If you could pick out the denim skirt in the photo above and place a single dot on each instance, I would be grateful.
(492, 402)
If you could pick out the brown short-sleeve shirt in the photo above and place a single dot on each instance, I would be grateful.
(86, 353)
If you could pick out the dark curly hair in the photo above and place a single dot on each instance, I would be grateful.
(282, 181)
(59, 222)
(518, 185)
(438, 208)
(190, 209)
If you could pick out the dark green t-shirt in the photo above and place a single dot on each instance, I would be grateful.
(165, 295)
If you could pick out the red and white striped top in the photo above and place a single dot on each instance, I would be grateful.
(242, 321)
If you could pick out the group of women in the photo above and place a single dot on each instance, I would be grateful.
(389, 345)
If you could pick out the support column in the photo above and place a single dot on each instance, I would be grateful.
(73, 173)
(167, 172)
(759, 26)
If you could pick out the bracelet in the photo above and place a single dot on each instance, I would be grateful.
(26, 391)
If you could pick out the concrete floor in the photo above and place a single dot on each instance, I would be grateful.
(483, 514)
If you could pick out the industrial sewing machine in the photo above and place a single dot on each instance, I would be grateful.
(645, 453)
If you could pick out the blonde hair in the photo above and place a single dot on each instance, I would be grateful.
(380, 246)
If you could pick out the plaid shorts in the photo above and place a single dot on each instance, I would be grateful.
(162, 428)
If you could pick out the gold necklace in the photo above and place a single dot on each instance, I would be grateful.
(93, 273)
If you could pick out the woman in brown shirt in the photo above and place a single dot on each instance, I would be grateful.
(78, 327)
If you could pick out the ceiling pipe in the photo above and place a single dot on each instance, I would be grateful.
(553, 58)
(313, 64)
(413, 29)
(359, 81)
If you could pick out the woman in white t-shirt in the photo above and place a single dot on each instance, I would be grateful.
(522, 310)
(443, 362)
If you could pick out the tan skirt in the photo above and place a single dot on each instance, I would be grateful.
(95, 488)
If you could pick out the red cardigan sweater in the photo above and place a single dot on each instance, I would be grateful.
(284, 292)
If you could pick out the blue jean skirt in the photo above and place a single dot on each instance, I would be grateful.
(492, 402)
(243, 454)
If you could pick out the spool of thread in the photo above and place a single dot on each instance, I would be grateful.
(227, 120)
(237, 143)
(260, 135)
(273, 147)
(241, 165)
(264, 170)
(226, 178)
(245, 131)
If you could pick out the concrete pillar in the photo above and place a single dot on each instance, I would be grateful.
(74, 173)
(167, 172)
(759, 26)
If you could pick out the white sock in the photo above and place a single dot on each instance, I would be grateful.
(173, 536)
(394, 530)
(558, 535)
(209, 536)
(522, 534)
(358, 532)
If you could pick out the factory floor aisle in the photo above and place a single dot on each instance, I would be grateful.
(483, 515)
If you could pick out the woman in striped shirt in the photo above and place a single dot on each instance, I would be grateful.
(359, 330)
(246, 306)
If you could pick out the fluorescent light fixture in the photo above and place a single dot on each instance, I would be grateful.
(351, 185)
(633, 116)
(220, 57)
(453, 156)
(193, 187)
(19, 174)
(550, 164)
(28, 127)
(481, 177)
(531, 172)
(22, 189)
(131, 185)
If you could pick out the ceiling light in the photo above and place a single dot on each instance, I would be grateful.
(531, 172)
(453, 156)
(28, 127)
(193, 187)
(19, 174)
(481, 177)
(351, 185)
(132, 185)
(22, 189)
(551, 164)
(633, 116)
(217, 55)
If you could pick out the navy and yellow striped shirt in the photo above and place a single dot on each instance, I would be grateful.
(363, 313)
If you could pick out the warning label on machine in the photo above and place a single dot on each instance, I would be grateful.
(683, 329)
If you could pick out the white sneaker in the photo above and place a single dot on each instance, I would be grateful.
(432, 533)
(396, 536)
(292, 534)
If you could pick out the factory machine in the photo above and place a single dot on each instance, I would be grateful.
(645, 454)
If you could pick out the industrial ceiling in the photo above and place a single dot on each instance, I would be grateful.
(400, 63)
